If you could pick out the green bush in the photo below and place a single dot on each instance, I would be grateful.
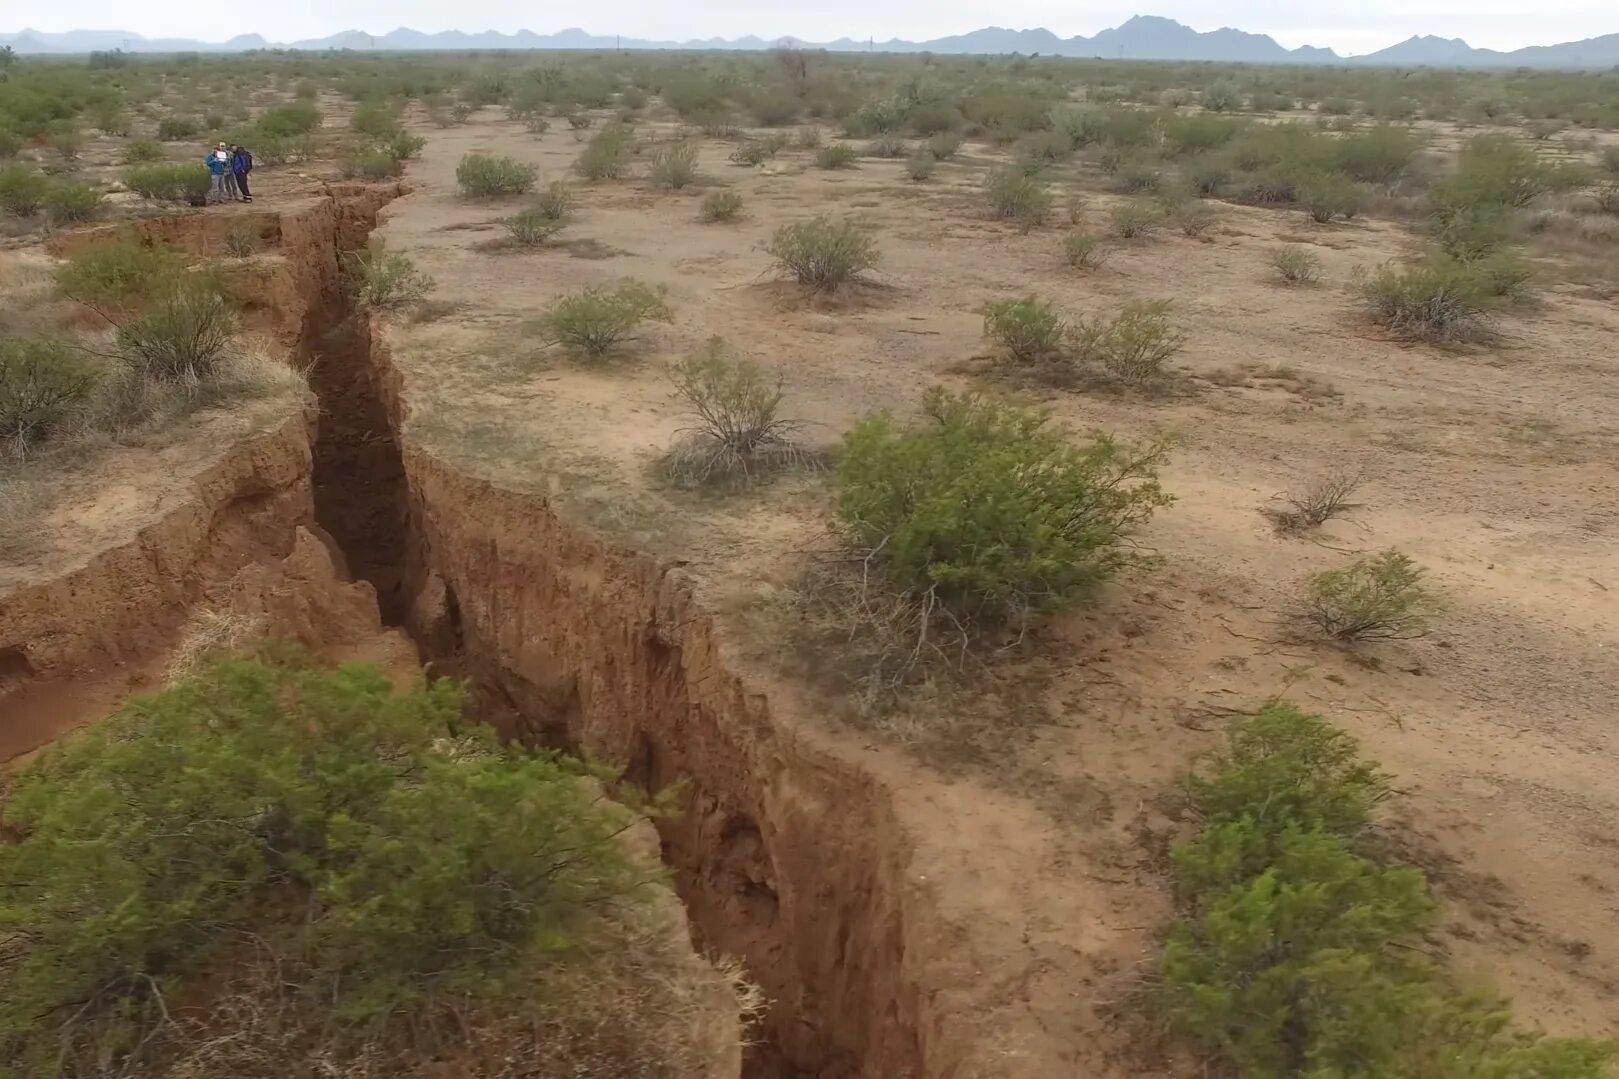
(531, 227)
(293, 118)
(68, 203)
(1015, 196)
(142, 152)
(989, 509)
(822, 254)
(1207, 175)
(1326, 195)
(595, 321)
(1298, 955)
(1137, 174)
(349, 879)
(369, 163)
(1192, 217)
(374, 119)
(1084, 251)
(180, 338)
(42, 385)
(607, 155)
(178, 128)
(1296, 264)
(23, 191)
(1491, 170)
(1381, 597)
(943, 145)
(10, 144)
(488, 176)
(674, 166)
(837, 155)
(1378, 155)
(386, 280)
(170, 183)
(1028, 329)
(720, 206)
(242, 241)
(1134, 345)
(755, 152)
(1443, 300)
(119, 276)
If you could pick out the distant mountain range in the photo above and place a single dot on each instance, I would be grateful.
(1144, 37)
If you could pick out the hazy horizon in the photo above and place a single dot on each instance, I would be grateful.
(1491, 24)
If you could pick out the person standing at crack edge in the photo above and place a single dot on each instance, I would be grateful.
(218, 167)
(241, 163)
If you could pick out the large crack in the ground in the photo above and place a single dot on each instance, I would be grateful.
(825, 940)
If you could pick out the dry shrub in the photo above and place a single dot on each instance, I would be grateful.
(1134, 346)
(837, 156)
(674, 167)
(822, 254)
(1135, 219)
(532, 227)
(1380, 597)
(209, 633)
(738, 437)
(919, 167)
(1318, 502)
(43, 386)
(179, 339)
(1442, 300)
(720, 206)
(386, 280)
(607, 155)
(1084, 251)
(1296, 264)
(1013, 195)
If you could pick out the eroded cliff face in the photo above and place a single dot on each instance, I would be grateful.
(791, 853)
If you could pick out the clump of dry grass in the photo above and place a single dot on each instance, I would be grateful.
(210, 632)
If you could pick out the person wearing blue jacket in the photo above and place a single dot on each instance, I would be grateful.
(241, 163)
(218, 162)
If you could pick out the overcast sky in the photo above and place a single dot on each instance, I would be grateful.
(1349, 28)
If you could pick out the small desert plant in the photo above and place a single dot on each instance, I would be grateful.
(1084, 250)
(1134, 346)
(1135, 219)
(531, 227)
(595, 321)
(943, 145)
(242, 241)
(555, 201)
(739, 435)
(1318, 502)
(1015, 196)
(488, 176)
(68, 203)
(607, 155)
(837, 156)
(180, 338)
(754, 152)
(386, 280)
(1443, 300)
(920, 167)
(721, 206)
(142, 152)
(887, 146)
(1192, 217)
(1029, 329)
(823, 254)
(23, 191)
(990, 511)
(674, 166)
(1296, 264)
(177, 128)
(42, 384)
(1380, 597)
(1606, 197)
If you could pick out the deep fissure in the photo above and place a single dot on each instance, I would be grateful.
(363, 500)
